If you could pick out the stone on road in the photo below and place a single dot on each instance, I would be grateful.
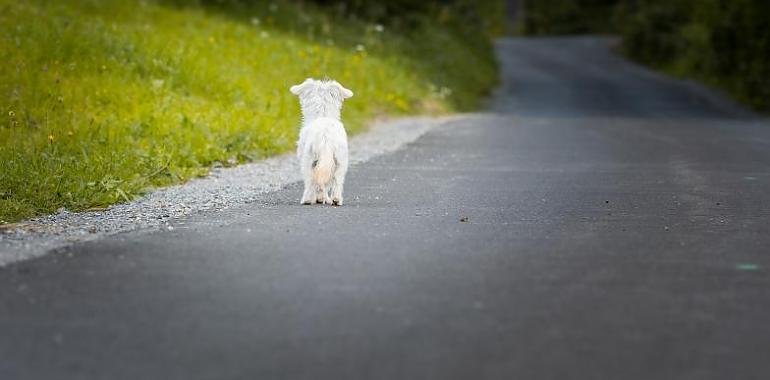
(600, 222)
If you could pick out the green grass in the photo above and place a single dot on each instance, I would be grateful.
(103, 100)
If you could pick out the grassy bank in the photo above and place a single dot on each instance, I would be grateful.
(722, 43)
(102, 100)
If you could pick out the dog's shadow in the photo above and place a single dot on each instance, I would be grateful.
(287, 196)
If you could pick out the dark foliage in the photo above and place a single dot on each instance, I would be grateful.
(474, 16)
(549, 17)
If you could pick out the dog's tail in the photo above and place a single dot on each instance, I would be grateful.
(323, 166)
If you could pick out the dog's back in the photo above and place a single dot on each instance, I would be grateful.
(325, 142)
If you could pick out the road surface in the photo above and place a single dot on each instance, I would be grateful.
(600, 222)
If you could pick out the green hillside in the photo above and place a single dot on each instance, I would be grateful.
(102, 100)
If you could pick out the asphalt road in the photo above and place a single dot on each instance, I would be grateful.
(601, 222)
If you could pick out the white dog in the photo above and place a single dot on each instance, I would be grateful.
(322, 148)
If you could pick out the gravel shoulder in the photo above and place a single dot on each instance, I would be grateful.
(222, 189)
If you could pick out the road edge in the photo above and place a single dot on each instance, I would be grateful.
(221, 189)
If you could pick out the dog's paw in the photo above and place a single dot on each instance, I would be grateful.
(337, 201)
(306, 202)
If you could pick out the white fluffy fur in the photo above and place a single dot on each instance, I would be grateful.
(322, 148)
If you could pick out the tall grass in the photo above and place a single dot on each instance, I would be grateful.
(102, 100)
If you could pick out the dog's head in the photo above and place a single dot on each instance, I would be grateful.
(320, 98)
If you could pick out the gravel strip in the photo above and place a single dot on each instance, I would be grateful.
(222, 189)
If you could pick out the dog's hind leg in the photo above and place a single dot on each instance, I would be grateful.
(321, 194)
(338, 182)
(308, 196)
(340, 170)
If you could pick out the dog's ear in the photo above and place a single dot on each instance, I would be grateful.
(297, 89)
(344, 91)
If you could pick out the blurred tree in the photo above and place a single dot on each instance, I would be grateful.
(568, 16)
(486, 16)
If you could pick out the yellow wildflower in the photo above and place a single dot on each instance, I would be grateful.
(400, 103)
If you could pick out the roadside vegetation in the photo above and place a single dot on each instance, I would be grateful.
(721, 43)
(103, 100)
